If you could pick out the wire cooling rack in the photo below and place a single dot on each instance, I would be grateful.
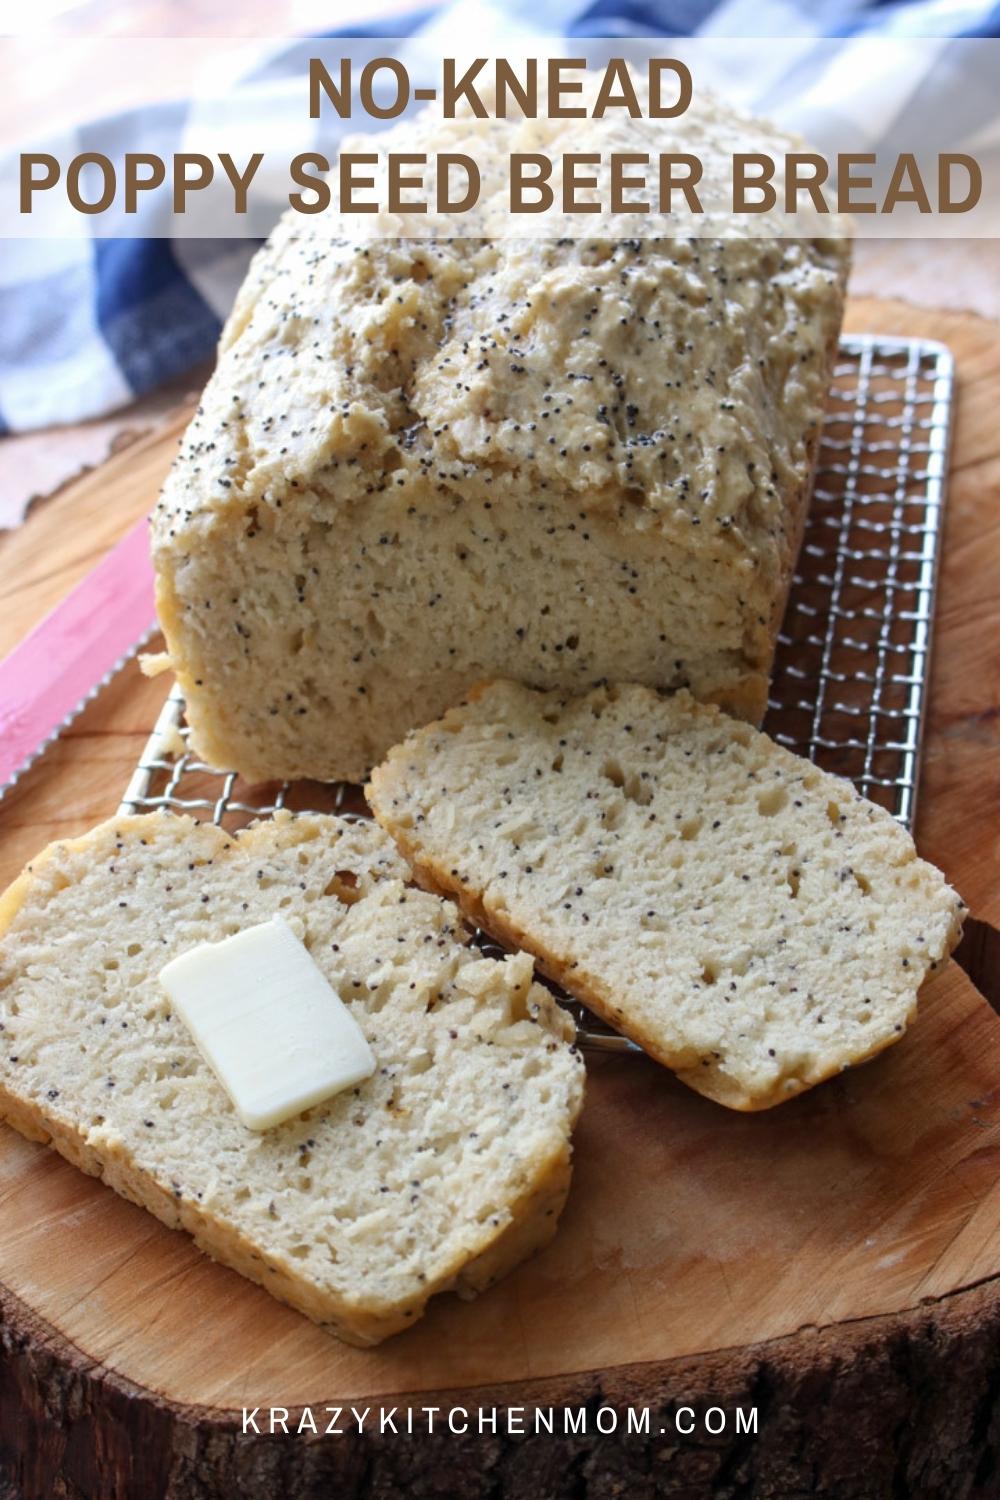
(850, 678)
(850, 681)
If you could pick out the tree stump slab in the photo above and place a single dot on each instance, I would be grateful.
(832, 1265)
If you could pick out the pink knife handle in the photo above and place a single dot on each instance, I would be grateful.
(46, 677)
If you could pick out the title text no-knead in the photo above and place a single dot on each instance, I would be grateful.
(634, 182)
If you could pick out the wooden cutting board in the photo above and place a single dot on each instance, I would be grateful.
(834, 1263)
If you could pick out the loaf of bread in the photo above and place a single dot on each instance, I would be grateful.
(422, 462)
(748, 919)
(443, 1170)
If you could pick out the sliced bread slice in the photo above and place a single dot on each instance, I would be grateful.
(749, 920)
(443, 1170)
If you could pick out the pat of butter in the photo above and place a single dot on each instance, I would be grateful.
(264, 1018)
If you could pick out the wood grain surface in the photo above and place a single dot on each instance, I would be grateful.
(689, 1230)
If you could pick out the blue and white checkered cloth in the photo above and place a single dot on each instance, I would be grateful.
(88, 324)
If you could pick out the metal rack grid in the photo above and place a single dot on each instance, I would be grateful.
(850, 678)
(849, 687)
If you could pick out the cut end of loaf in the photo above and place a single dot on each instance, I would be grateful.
(334, 567)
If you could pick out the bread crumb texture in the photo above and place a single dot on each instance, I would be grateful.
(441, 1171)
(421, 462)
(751, 921)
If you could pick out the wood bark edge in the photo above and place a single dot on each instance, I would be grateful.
(900, 1405)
